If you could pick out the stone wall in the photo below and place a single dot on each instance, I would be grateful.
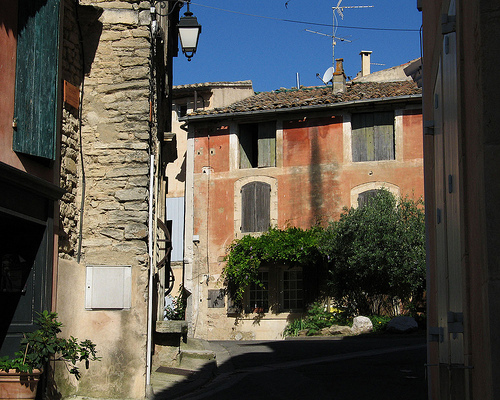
(115, 146)
(71, 72)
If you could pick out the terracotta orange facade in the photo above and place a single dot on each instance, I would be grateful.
(312, 178)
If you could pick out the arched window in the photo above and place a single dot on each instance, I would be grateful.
(365, 196)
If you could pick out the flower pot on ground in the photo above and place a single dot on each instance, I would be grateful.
(36, 350)
(19, 385)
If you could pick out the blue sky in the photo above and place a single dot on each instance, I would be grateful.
(270, 51)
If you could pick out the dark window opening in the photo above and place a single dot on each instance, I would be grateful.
(257, 145)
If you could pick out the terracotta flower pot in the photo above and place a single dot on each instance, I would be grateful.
(19, 385)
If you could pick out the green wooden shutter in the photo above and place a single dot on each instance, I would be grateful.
(267, 144)
(37, 78)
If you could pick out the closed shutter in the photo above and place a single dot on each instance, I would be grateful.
(362, 137)
(364, 197)
(256, 210)
(37, 78)
(372, 136)
(384, 135)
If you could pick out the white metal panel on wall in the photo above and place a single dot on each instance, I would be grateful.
(175, 214)
(108, 287)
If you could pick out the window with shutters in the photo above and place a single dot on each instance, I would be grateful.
(257, 145)
(255, 207)
(373, 136)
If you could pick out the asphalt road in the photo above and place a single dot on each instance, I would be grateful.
(355, 368)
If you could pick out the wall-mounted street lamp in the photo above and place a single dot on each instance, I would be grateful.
(189, 31)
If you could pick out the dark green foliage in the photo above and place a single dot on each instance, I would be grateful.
(316, 319)
(379, 322)
(291, 246)
(37, 348)
(376, 254)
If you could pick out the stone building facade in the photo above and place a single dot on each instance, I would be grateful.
(104, 213)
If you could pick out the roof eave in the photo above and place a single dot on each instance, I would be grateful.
(317, 107)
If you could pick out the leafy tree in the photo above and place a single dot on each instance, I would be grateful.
(376, 253)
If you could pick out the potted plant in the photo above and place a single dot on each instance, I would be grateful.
(19, 376)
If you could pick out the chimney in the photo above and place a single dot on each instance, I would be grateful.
(365, 62)
(339, 76)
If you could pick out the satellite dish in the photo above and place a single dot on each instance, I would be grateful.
(328, 76)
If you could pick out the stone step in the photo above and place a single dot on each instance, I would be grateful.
(198, 354)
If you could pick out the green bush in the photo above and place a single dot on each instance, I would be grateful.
(316, 319)
(376, 254)
(379, 322)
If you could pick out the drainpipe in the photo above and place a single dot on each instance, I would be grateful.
(151, 273)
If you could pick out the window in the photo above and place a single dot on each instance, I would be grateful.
(259, 295)
(257, 145)
(281, 291)
(181, 110)
(293, 298)
(372, 136)
(364, 197)
(255, 207)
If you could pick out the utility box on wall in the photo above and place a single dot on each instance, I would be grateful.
(108, 287)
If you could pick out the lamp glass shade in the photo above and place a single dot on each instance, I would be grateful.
(189, 31)
(189, 38)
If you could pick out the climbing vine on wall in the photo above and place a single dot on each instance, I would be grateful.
(291, 246)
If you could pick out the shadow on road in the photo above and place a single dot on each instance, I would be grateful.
(362, 367)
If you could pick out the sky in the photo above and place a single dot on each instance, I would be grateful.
(266, 41)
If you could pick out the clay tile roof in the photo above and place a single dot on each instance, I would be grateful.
(316, 96)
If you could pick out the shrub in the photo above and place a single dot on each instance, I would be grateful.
(377, 252)
(317, 318)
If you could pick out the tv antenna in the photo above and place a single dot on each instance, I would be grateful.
(340, 11)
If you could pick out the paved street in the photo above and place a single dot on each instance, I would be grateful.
(363, 367)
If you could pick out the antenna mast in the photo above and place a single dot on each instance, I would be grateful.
(340, 12)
